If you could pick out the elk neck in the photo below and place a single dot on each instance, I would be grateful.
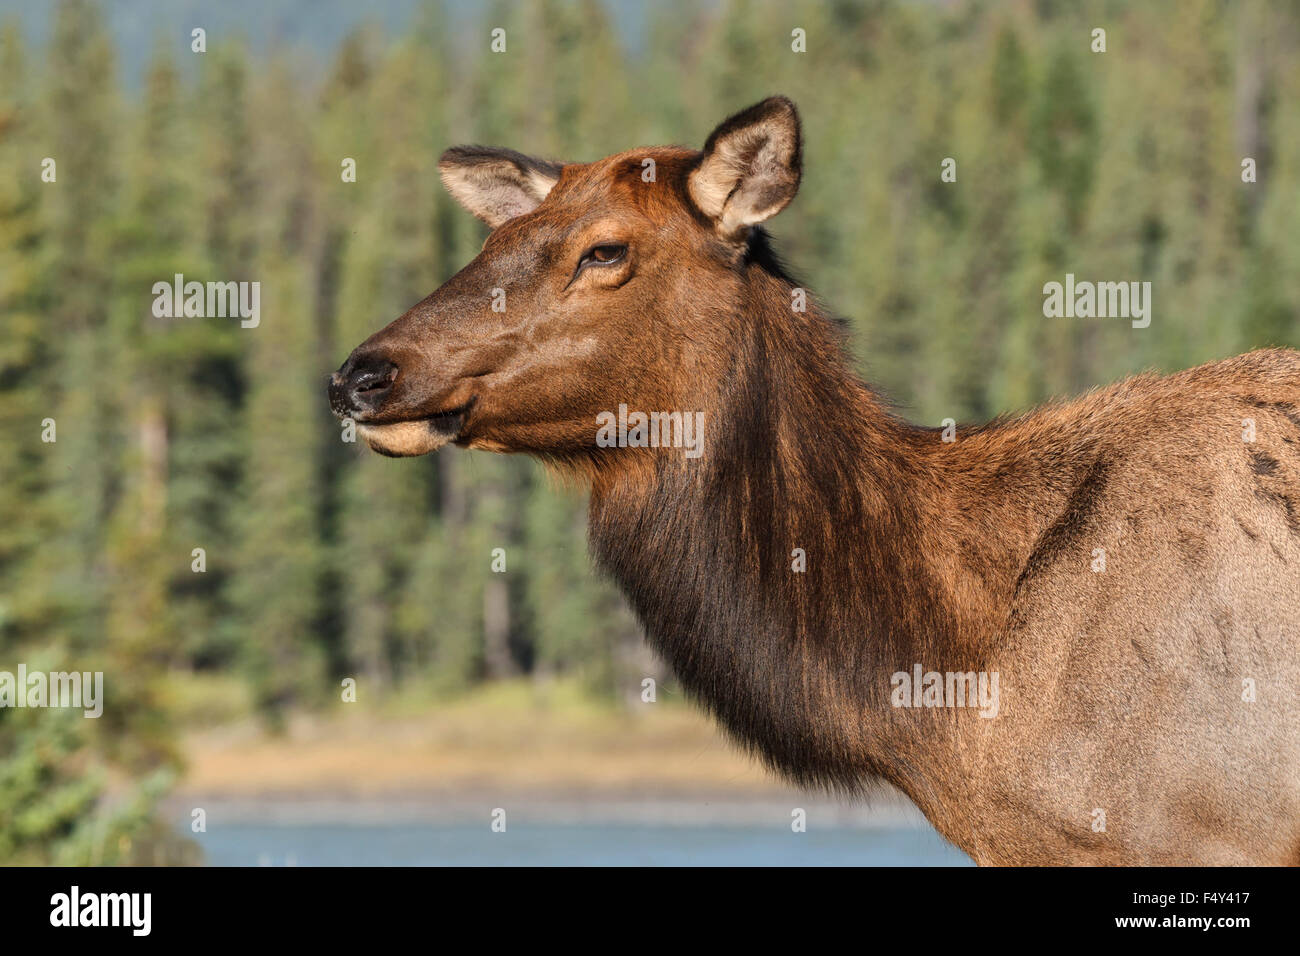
(801, 457)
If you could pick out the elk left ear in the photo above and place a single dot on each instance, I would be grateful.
(496, 184)
(750, 168)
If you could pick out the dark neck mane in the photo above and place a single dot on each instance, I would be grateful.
(798, 454)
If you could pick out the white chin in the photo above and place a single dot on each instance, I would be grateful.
(403, 439)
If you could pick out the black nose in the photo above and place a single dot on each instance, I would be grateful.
(361, 385)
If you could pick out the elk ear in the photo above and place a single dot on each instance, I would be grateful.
(750, 167)
(496, 184)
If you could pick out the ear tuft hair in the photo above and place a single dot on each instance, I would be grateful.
(496, 185)
(750, 168)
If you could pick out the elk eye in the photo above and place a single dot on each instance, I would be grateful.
(603, 255)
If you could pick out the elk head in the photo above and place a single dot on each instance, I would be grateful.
(617, 281)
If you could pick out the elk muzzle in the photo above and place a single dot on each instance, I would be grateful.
(392, 413)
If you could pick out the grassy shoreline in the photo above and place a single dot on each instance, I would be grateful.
(546, 753)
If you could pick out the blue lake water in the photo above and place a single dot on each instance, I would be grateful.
(571, 845)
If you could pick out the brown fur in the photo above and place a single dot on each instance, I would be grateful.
(1121, 690)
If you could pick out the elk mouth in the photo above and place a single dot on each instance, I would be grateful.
(416, 436)
(451, 421)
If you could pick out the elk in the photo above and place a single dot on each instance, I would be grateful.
(820, 546)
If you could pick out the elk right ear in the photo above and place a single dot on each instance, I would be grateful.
(496, 184)
(750, 168)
